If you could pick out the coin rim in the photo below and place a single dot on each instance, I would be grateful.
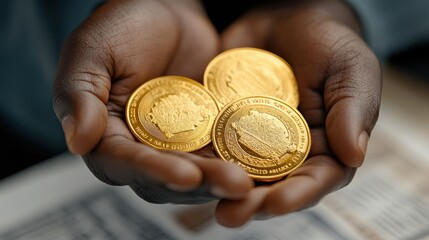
(151, 81)
(259, 177)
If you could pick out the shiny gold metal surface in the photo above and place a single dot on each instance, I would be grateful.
(265, 136)
(172, 113)
(244, 72)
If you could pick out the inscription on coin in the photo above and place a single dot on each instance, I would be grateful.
(265, 136)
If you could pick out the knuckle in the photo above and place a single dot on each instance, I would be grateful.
(90, 81)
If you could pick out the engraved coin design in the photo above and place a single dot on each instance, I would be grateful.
(264, 135)
(172, 113)
(244, 72)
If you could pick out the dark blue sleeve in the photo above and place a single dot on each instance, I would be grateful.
(32, 32)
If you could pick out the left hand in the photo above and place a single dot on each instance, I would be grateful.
(339, 82)
(123, 44)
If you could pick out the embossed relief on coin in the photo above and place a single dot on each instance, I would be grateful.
(178, 113)
(260, 139)
(263, 135)
(172, 112)
(244, 72)
(251, 77)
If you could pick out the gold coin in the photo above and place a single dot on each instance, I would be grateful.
(172, 113)
(265, 136)
(244, 72)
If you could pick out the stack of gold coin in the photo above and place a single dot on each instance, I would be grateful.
(258, 127)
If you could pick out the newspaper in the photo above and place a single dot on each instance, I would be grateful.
(388, 199)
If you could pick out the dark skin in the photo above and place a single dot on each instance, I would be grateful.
(126, 43)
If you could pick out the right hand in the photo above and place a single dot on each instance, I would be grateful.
(339, 80)
(120, 46)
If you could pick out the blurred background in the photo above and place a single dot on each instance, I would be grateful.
(32, 35)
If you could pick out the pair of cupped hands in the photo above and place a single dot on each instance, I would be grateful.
(124, 44)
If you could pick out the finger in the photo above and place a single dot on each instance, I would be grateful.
(235, 213)
(158, 193)
(220, 180)
(155, 176)
(352, 97)
(226, 180)
(351, 93)
(207, 151)
(119, 159)
(81, 91)
(306, 186)
(319, 142)
(312, 107)
(109, 46)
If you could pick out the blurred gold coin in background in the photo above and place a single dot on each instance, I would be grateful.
(265, 136)
(172, 113)
(244, 72)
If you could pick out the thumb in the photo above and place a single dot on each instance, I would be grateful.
(110, 45)
(352, 97)
(81, 91)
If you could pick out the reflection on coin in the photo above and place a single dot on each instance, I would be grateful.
(244, 72)
(265, 136)
(173, 113)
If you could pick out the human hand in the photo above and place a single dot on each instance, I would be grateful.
(120, 46)
(340, 86)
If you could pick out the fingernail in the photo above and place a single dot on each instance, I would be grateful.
(68, 127)
(363, 142)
